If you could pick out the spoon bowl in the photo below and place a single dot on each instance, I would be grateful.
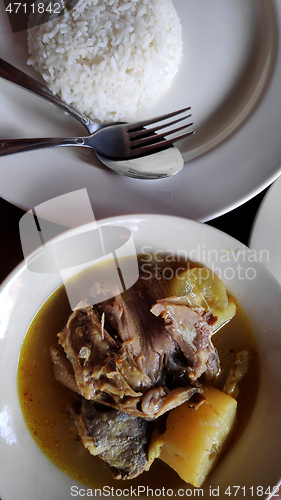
(155, 166)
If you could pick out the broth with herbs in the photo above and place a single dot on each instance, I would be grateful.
(44, 400)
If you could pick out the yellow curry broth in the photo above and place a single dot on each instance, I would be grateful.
(44, 401)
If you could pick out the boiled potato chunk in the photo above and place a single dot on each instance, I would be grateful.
(194, 439)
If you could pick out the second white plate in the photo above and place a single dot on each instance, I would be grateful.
(265, 237)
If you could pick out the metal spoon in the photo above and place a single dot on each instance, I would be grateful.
(155, 166)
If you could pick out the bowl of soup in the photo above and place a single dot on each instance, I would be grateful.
(42, 443)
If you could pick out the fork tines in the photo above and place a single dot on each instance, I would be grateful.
(145, 137)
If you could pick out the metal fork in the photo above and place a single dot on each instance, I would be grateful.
(119, 141)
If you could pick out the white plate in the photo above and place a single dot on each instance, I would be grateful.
(254, 461)
(230, 77)
(265, 236)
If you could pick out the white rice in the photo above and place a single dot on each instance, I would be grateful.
(109, 58)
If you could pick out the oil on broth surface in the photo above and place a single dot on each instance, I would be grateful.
(43, 400)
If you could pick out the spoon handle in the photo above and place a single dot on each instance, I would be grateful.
(11, 146)
(18, 77)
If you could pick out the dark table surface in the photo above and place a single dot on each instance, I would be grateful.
(236, 223)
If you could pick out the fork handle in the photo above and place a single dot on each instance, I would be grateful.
(11, 146)
(18, 77)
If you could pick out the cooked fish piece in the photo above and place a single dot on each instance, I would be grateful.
(94, 355)
(192, 330)
(120, 440)
(108, 375)
(135, 359)
(144, 337)
(63, 370)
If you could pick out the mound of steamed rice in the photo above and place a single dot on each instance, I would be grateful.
(109, 58)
